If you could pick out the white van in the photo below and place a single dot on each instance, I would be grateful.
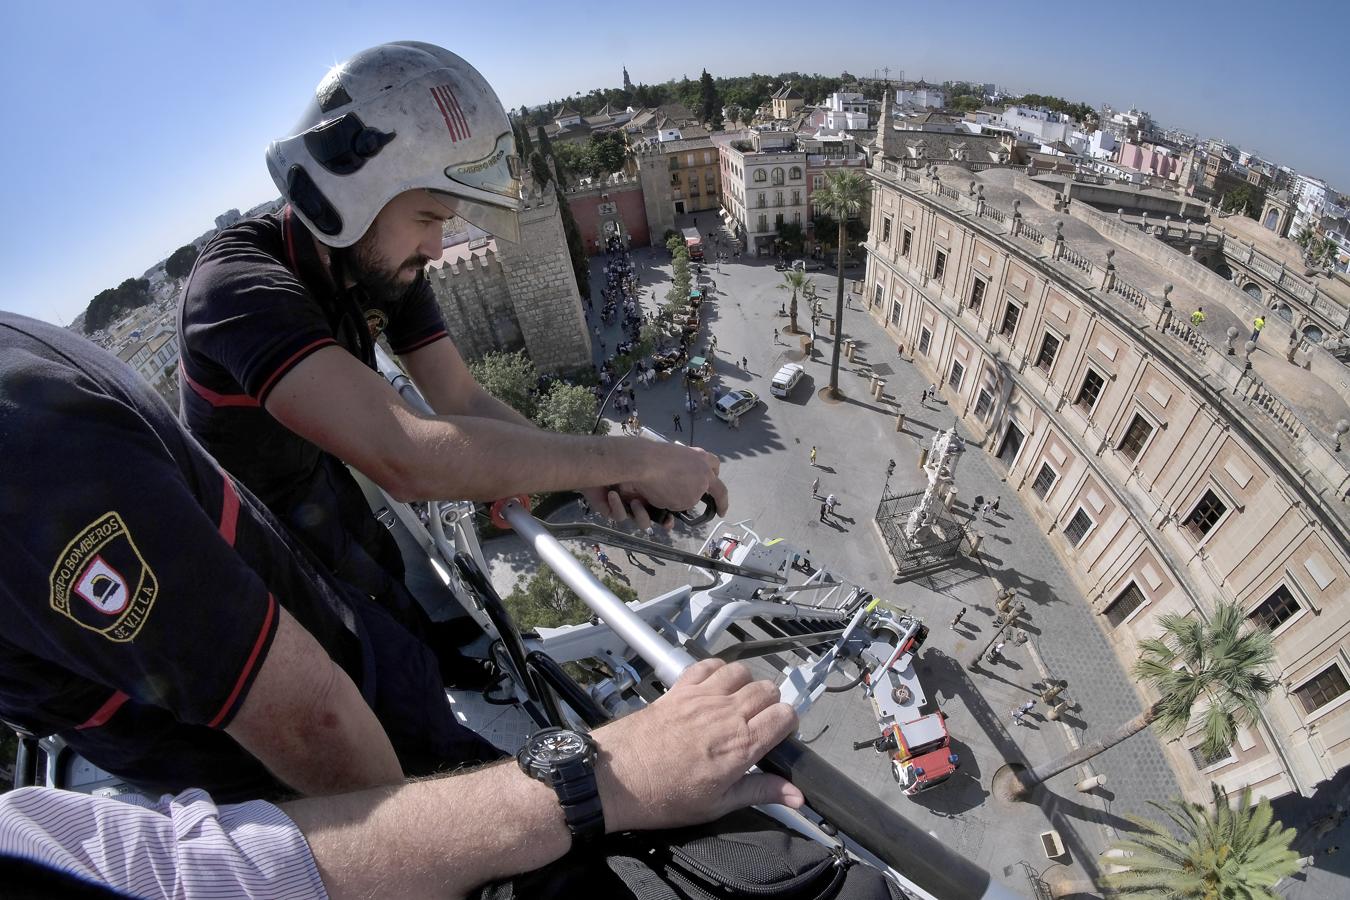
(785, 379)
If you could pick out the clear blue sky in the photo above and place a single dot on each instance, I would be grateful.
(130, 125)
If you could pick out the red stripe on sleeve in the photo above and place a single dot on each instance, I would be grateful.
(105, 712)
(431, 339)
(229, 511)
(211, 396)
(290, 361)
(263, 634)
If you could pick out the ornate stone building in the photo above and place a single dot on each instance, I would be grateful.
(511, 296)
(1172, 467)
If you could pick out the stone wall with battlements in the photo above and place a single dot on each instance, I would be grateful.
(513, 296)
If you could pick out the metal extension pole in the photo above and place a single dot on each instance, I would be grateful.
(667, 661)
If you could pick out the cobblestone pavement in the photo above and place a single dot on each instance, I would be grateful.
(767, 469)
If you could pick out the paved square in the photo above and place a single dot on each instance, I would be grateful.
(766, 465)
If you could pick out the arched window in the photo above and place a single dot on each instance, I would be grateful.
(777, 176)
(795, 173)
(759, 175)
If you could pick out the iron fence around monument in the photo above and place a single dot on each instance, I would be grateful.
(930, 546)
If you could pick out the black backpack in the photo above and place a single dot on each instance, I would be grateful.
(741, 855)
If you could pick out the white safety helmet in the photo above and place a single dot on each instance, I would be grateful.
(395, 118)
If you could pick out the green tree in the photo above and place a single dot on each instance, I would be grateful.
(1233, 852)
(609, 152)
(710, 102)
(544, 601)
(681, 280)
(568, 408)
(524, 146)
(575, 158)
(546, 150)
(576, 247)
(734, 113)
(796, 281)
(1222, 662)
(1247, 199)
(790, 237)
(843, 197)
(179, 263)
(109, 305)
(510, 377)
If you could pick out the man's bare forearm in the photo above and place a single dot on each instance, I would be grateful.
(477, 458)
(435, 838)
(483, 405)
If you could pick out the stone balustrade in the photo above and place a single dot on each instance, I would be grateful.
(1308, 439)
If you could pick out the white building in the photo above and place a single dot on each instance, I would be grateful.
(1035, 125)
(845, 111)
(763, 184)
(1310, 198)
(923, 95)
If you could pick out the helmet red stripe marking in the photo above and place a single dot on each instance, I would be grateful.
(444, 114)
(463, 120)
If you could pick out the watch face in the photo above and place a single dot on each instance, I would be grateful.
(557, 747)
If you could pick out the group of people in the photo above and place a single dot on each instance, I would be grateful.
(204, 605)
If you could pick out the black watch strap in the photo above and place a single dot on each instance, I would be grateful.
(579, 797)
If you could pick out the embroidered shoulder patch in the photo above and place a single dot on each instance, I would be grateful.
(102, 582)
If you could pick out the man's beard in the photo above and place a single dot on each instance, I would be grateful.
(374, 274)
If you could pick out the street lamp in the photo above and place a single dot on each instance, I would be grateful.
(1232, 338)
(1342, 427)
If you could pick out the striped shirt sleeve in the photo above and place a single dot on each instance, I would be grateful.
(181, 845)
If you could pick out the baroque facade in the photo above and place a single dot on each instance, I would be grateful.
(1172, 467)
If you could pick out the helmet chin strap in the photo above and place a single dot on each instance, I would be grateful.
(347, 305)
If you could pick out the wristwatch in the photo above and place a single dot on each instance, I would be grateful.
(565, 760)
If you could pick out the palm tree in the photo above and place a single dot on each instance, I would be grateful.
(1219, 661)
(796, 281)
(1233, 852)
(843, 197)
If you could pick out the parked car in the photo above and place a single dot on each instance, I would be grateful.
(735, 404)
(785, 379)
(808, 265)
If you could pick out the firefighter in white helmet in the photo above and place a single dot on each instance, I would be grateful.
(280, 313)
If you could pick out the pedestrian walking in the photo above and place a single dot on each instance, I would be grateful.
(1257, 324)
(984, 510)
(815, 487)
(1198, 316)
(1029, 706)
(823, 510)
(996, 652)
(932, 391)
(775, 335)
(745, 364)
(678, 426)
(993, 507)
(813, 454)
(959, 616)
(923, 397)
(1018, 715)
(830, 503)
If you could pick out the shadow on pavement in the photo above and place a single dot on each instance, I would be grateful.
(949, 672)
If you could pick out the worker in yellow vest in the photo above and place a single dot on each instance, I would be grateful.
(1257, 324)
(1198, 316)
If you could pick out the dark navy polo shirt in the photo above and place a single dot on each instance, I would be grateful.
(142, 585)
(258, 302)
